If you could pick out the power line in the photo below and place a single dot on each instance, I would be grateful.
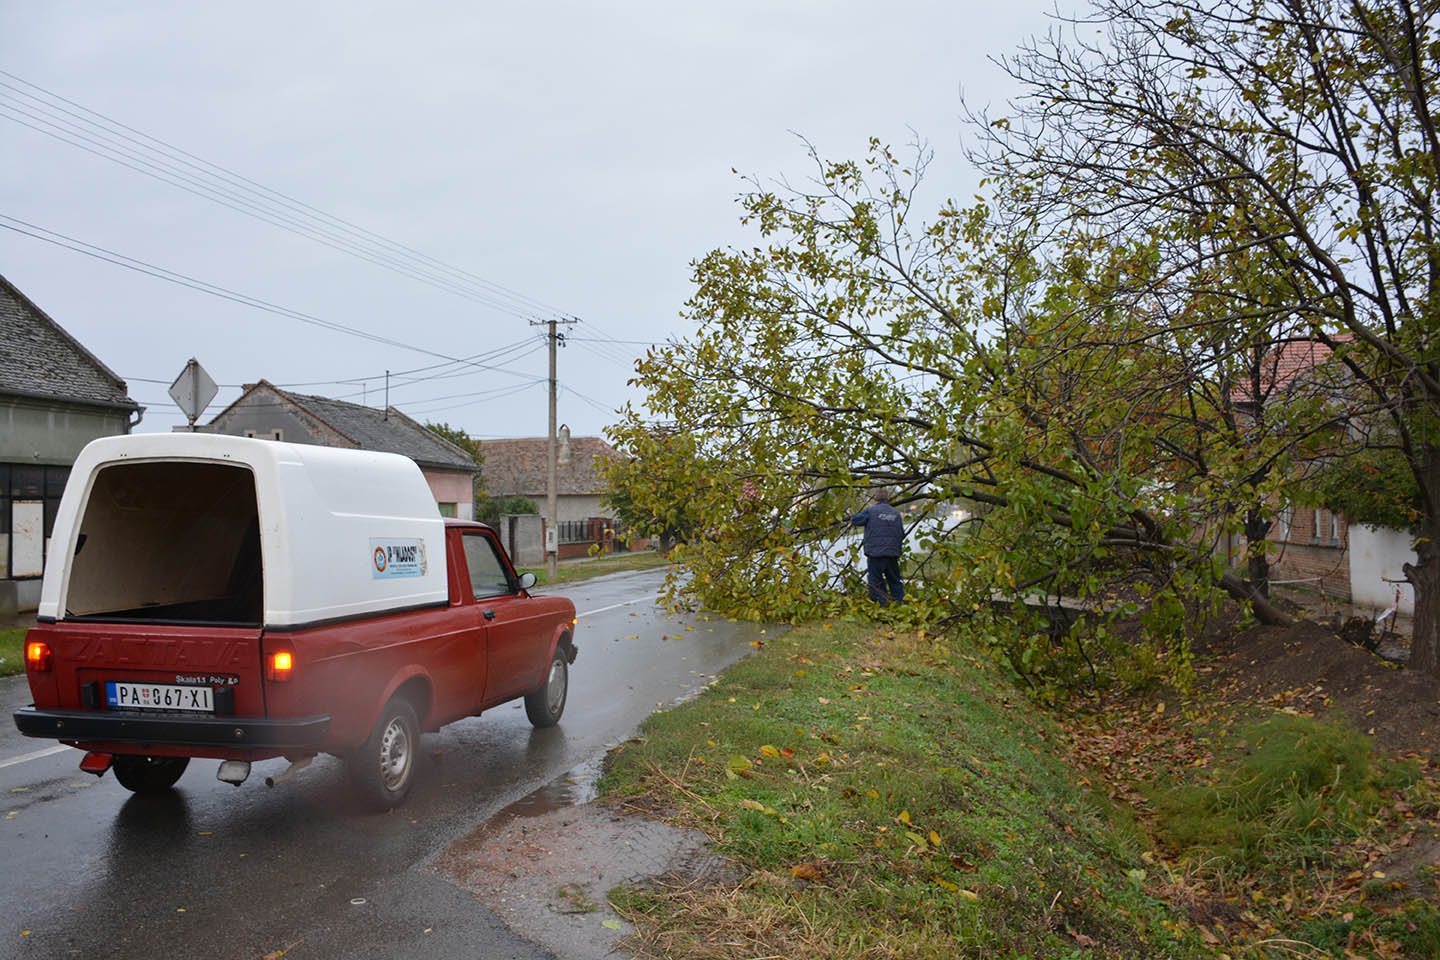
(159, 159)
(290, 225)
(489, 355)
(165, 161)
(17, 225)
(590, 400)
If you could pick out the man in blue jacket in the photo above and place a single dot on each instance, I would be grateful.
(884, 533)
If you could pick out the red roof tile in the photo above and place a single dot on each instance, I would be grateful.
(517, 467)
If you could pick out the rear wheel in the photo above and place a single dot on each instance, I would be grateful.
(545, 705)
(148, 774)
(384, 766)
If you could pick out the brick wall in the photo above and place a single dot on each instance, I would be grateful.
(1311, 546)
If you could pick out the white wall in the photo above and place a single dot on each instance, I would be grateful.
(1376, 556)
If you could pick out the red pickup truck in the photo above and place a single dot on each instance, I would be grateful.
(213, 596)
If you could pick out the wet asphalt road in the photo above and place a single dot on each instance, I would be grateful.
(215, 871)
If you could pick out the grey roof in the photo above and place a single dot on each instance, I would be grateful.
(39, 359)
(372, 429)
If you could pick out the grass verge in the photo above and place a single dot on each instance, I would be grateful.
(1279, 833)
(598, 567)
(12, 650)
(891, 798)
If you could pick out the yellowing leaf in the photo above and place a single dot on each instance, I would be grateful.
(739, 763)
(934, 839)
(904, 817)
(807, 871)
(749, 804)
(952, 887)
(969, 894)
(770, 751)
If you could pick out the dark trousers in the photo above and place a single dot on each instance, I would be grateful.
(882, 575)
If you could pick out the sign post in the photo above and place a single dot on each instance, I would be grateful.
(193, 390)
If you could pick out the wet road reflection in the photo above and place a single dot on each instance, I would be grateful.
(212, 870)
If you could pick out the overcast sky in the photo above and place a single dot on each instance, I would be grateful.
(575, 155)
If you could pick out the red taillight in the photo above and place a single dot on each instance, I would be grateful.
(37, 656)
(279, 664)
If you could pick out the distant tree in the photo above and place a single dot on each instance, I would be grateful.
(648, 488)
(1371, 485)
(471, 446)
(490, 509)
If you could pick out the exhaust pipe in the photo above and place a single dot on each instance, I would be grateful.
(295, 767)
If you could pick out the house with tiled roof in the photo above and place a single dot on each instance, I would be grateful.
(55, 397)
(1314, 548)
(518, 468)
(1288, 368)
(267, 412)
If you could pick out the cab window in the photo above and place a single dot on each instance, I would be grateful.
(487, 574)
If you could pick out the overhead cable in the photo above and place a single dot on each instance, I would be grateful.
(161, 160)
(26, 228)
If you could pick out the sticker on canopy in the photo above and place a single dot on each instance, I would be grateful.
(391, 559)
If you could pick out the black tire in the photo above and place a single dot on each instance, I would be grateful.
(383, 767)
(545, 705)
(148, 774)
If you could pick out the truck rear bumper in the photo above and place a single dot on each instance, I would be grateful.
(289, 733)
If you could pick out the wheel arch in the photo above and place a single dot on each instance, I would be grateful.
(414, 684)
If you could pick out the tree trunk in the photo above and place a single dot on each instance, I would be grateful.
(1257, 528)
(1265, 611)
(1424, 576)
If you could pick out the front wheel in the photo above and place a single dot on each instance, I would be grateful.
(148, 774)
(384, 766)
(545, 705)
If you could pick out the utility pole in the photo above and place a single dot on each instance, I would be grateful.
(552, 523)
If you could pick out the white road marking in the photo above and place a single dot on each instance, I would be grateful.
(613, 606)
(36, 755)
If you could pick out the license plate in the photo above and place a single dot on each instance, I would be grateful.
(159, 696)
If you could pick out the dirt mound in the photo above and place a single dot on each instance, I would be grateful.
(1309, 667)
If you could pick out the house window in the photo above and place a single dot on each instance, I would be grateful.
(277, 434)
(250, 434)
(446, 509)
(1334, 529)
(1317, 517)
(23, 487)
(1283, 523)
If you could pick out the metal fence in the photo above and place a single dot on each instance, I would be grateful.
(575, 531)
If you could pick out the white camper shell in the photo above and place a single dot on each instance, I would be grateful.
(221, 530)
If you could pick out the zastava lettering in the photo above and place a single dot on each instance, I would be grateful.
(176, 653)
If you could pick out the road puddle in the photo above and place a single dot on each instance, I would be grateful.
(572, 788)
(545, 863)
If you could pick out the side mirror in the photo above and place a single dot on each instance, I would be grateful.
(527, 580)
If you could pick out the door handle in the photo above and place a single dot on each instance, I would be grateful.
(489, 614)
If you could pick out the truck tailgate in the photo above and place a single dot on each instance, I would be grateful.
(150, 667)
